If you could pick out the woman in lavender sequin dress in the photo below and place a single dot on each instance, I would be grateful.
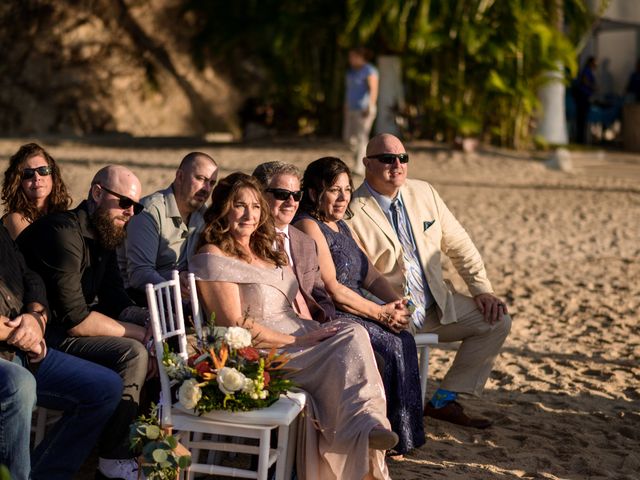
(347, 274)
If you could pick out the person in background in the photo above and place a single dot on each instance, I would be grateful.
(360, 104)
(92, 316)
(583, 90)
(163, 237)
(31, 373)
(405, 229)
(633, 87)
(32, 188)
(281, 184)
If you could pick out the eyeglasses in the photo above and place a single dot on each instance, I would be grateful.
(125, 202)
(390, 158)
(29, 173)
(284, 194)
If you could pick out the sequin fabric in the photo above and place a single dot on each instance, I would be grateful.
(346, 394)
(401, 375)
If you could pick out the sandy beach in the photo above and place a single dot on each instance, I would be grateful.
(562, 248)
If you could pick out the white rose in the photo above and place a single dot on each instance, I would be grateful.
(237, 337)
(249, 386)
(189, 393)
(230, 380)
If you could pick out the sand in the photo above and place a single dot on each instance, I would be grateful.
(562, 249)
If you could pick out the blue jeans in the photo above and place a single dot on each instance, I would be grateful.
(85, 392)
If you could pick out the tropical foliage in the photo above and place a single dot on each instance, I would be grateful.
(471, 67)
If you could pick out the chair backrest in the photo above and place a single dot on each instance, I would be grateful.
(167, 321)
(195, 305)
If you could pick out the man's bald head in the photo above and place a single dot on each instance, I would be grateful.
(385, 178)
(384, 143)
(119, 179)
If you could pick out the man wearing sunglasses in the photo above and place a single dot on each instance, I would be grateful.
(405, 229)
(92, 316)
(281, 182)
(164, 236)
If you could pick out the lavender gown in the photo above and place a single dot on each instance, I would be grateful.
(346, 395)
(401, 373)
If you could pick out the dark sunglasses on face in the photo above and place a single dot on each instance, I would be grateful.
(390, 158)
(125, 202)
(284, 194)
(29, 173)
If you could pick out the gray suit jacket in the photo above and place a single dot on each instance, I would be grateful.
(305, 265)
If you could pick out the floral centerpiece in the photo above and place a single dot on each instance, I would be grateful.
(160, 455)
(227, 373)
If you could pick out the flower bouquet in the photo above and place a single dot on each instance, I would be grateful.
(227, 373)
(160, 455)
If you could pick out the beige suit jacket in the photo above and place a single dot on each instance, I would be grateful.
(436, 232)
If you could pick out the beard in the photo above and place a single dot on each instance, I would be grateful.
(110, 236)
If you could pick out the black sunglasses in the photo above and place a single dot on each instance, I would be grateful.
(390, 158)
(284, 194)
(29, 173)
(125, 202)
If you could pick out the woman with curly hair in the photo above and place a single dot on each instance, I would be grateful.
(247, 282)
(32, 188)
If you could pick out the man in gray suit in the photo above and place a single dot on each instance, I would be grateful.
(281, 183)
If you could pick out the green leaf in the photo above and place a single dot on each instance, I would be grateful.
(171, 441)
(184, 461)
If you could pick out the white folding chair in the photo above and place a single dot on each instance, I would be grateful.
(165, 306)
(423, 341)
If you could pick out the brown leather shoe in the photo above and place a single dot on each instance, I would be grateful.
(454, 413)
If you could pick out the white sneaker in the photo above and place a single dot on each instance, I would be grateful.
(126, 469)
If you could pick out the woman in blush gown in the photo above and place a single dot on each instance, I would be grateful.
(347, 274)
(247, 282)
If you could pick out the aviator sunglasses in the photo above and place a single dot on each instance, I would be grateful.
(284, 194)
(125, 202)
(29, 173)
(390, 158)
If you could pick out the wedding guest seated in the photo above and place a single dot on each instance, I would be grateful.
(163, 237)
(30, 373)
(347, 272)
(93, 318)
(241, 277)
(406, 229)
(281, 183)
(32, 188)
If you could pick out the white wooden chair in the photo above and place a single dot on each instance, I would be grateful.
(423, 341)
(165, 306)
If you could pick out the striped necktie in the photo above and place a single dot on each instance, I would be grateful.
(415, 282)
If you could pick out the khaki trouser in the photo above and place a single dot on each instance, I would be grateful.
(481, 343)
(355, 133)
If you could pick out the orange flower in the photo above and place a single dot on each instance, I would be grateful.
(267, 378)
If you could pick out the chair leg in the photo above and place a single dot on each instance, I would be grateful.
(263, 457)
(283, 450)
(424, 372)
(41, 425)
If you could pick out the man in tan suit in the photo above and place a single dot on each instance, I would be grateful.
(405, 229)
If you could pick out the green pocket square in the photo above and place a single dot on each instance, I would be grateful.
(426, 224)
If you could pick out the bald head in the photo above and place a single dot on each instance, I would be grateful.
(384, 143)
(119, 179)
(385, 178)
